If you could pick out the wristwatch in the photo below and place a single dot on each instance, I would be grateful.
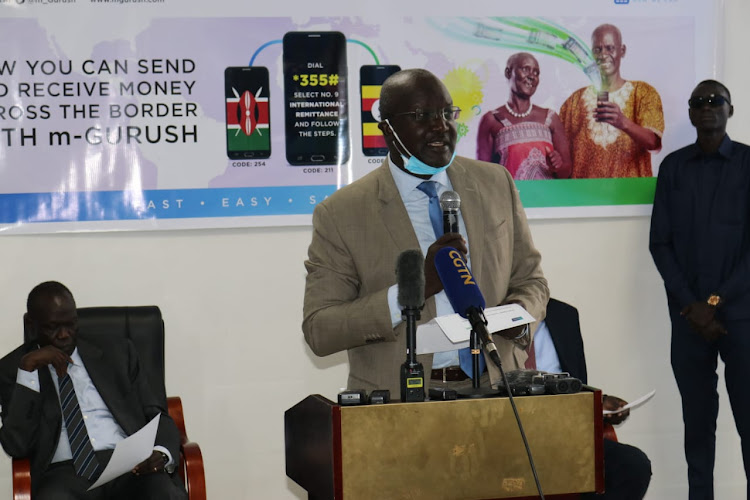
(523, 333)
(522, 340)
(169, 469)
(713, 300)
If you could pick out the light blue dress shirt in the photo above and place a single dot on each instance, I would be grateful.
(544, 350)
(103, 429)
(417, 206)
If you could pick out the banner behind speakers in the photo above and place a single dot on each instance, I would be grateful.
(123, 115)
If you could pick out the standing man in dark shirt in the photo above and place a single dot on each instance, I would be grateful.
(700, 242)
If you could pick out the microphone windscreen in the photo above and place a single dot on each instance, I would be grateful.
(458, 282)
(450, 201)
(410, 279)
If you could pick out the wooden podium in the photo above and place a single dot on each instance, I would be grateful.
(464, 449)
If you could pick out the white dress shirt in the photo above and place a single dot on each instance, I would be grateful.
(103, 429)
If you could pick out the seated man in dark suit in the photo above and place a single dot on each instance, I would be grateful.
(558, 347)
(66, 402)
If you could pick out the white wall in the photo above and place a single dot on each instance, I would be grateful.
(232, 302)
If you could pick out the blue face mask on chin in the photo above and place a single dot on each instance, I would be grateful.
(414, 165)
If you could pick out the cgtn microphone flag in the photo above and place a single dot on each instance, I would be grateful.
(458, 282)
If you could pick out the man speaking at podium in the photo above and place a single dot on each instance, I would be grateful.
(358, 233)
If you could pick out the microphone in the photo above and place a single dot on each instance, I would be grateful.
(450, 202)
(464, 295)
(410, 280)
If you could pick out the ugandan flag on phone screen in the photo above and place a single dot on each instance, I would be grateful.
(372, 137)
(247, 121)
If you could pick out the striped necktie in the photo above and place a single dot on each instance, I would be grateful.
(84, 459)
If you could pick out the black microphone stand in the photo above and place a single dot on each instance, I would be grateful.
(412, 371)
(475, 344)
(476, 351)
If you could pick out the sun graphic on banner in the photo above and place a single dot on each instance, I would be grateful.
(465, 88)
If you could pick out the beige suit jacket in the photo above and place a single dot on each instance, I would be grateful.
(358, 234)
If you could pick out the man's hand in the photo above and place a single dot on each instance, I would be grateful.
(47, 355)
(610, 112)
(701, 317)
(712, 331)
(514, 333)
(432, 283)
(613, 403)
(153, 464)
(511, 333)
(699, 314)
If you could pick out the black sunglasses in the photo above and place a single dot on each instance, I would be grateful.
(712, 100)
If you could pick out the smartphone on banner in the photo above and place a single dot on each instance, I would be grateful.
(247, 112)
(371, 78)
(315, 95)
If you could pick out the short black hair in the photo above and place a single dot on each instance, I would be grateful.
(46, 289)
(718, 84)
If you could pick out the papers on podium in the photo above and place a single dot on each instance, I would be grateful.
(130, 452)
(451, 332)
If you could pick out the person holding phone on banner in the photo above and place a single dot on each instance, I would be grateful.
(358, 233)
(526, 139)
(613, 129)
(700, 242)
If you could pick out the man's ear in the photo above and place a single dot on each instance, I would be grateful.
(623, 49)
(731, 110)
(508, 72)
(385, 128)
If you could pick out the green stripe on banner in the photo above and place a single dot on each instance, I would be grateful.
(587, 192)
(260, 139)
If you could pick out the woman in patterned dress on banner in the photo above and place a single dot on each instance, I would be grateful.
(526, 139)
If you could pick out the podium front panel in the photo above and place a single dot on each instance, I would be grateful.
(468, 449)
